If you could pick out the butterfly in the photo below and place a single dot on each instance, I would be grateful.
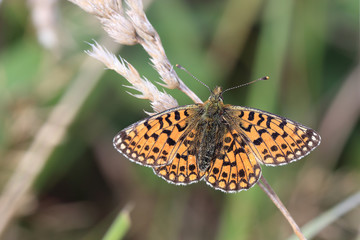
(221, 144)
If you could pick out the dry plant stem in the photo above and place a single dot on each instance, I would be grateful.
(18, 188)
(160, 101)
(272, 195)
(150, 41)
(187, 91)
(130, 26)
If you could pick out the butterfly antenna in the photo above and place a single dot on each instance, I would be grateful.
(184, 69)
(245, 84)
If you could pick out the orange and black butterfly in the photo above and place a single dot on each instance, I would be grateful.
(221, 144)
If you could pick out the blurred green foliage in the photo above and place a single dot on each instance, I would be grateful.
(308, 48)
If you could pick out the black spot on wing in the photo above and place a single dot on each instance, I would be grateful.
(251, 116)
(147, 125)
(268, 121)
(167, 132)
(180, 129)
(241, 114)
(261, 119)
(168, 120)
(262, 131)
(192, 167)
(177, 115)
(146, 136)
(231, 164)
(258, 141)
(274, 148)
(155, 136)
(170, 141)
(161, 122)
(247, 129)
(242, 173)
(274, 135)
(239, 150)
(282, 124)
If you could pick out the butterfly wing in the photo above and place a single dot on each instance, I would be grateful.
(184, 168)
(254, 136)
(236, 167)
(155, 141)
(273, 139)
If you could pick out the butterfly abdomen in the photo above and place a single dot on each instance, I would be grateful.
(211, 130)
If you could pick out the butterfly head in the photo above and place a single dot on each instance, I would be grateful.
(214, 103)
(216, 95)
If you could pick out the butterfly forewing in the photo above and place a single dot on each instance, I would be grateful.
(154, 141)
(274, 140)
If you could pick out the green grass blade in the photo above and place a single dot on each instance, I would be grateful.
(120, 226)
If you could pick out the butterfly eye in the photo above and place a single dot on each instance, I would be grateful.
(221, 98)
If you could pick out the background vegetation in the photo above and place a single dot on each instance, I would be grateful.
(310, 51)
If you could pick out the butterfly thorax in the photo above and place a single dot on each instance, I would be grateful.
(212, 128)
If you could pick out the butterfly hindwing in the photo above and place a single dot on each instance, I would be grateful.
(153, 141)
(235, 168)
(274, 140)
(183, 169)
